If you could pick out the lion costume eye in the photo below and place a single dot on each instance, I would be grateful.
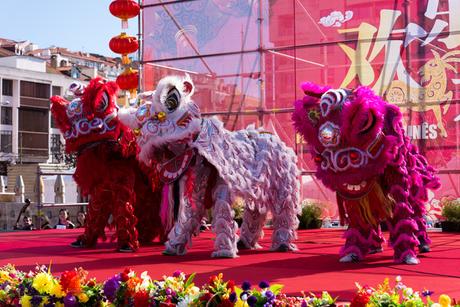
(172, 101)
(368, 124)
(104, 103)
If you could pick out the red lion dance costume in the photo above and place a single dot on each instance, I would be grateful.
(106, 167)
(358, 144)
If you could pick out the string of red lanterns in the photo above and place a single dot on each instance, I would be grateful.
(125, 44)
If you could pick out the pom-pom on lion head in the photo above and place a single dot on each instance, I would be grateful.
(166, 116)
(352, 134)
(91, 115)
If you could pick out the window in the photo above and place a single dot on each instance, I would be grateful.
(6, 116)
(34, 120)
(7, 87)
(6, 140)
(37, 90)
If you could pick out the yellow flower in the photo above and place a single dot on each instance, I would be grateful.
(4, 276)
(25, 301)
(444, 300)
(59, 304)
(240, 303)
(43, 283)
(56, 290)
(82, 297)
(410, 304)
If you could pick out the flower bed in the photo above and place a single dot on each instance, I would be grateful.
(74, 288)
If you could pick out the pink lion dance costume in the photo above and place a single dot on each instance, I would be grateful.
(203, 165)
(106, 167)
(358, 144)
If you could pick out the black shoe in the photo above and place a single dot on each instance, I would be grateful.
(204, 227)
(283, 248)
(424, 248)
(77, 244)
(375, 250)
(240, 245)
(125, 249)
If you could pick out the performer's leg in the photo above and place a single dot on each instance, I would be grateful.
(223, 224)
(403, 234)
(284, 208)
(251, 229)
(124, 218)
(422, 235)
(99, 209)
(188, 221)
(361, 241)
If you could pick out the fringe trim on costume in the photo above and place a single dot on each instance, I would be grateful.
(189, 186)
(406, 240)
(166, 218)
(402, 210)
(402, 257)
(345, 250)
(369, 209)
(409, 225)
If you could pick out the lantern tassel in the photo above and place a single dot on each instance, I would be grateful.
(125, 60)
(132, 92)
(124, 23)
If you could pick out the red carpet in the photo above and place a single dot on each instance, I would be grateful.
(313, 268)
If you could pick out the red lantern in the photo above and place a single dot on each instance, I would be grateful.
(124, 44)
(124, 9)
(128, 80)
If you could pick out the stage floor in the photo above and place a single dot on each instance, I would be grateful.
(313, 268)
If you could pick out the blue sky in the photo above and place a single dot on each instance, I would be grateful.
(80, 25)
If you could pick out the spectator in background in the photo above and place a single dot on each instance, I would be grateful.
(81, 219)
(64, 220)
(26, 224)
(23, 211)
(46, 224)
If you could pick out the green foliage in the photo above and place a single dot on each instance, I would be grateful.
(238, 210)
(324, 300)
(310, 216)
(451, 210)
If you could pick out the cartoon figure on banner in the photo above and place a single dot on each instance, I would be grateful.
(431, 95)
(106, 167)
(361, 153)
(405, 90)
(203, 165)
(434, 208)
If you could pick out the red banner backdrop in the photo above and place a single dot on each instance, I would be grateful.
(247, 59)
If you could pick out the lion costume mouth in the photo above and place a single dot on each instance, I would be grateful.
(184, 120)
(348, 190)
(172, 169)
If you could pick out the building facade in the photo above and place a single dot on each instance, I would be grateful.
(28, 135)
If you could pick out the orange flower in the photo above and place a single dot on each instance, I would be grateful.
(70, 282)
(132, 283)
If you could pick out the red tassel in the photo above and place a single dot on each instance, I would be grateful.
(189, 185)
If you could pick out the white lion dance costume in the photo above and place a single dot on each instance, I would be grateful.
(203, 165)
